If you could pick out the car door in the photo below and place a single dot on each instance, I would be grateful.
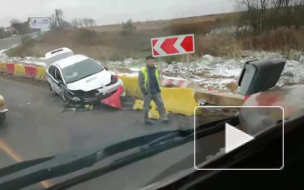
(51, 77)
(58, 82)
(55, 79)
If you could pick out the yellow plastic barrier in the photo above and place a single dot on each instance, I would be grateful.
(131, 86)
(180, 100)
(153, 113)
(88, 106)
(19, 70)
(139, 105)
(176, 100)
(2, 67)
(41, 73)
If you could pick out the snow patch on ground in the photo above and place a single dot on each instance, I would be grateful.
(38, 61)
(217, 73)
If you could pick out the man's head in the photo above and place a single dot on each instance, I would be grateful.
(150, 61)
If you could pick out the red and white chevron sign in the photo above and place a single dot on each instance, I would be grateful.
(172, 45)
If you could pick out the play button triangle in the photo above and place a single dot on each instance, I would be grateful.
(235, 138)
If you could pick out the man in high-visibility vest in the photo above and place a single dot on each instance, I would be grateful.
(149, 83)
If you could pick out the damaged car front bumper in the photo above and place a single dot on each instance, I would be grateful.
(93, 96)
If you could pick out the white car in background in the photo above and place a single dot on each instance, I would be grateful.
(78, 78)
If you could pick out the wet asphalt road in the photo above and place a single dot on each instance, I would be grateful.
(9, 42)
(36, 125)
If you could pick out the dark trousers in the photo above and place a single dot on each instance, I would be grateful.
(159, 104)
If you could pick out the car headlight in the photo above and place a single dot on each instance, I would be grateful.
(113, 79)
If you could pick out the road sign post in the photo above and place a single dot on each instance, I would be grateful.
(160, 67)
(188, 66)
(174, 45)
(39, 35)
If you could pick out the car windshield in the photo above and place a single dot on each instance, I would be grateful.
(79, 76)
(80, 70)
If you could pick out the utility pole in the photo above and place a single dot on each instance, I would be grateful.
(57, 16)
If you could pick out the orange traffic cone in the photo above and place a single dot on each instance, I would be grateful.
(114, 100)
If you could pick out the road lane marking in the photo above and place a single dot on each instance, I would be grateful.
(8, 150)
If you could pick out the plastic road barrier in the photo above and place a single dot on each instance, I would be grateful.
(131, 86)
(19, 70)
(139, 105)
(10, 68)
(30, 71)
(2, 67)
(176, 100)
(41, 73)
(153, 113)
(180, 100)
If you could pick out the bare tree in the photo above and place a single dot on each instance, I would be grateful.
(59, 14)
(65, 24)
(288, 12)
(276, 3)
(255, 11)
(252, 11)
(75, 23)
(53, 21)
(14, 21)
(58, 22)
(267, 14)
(91, 22)
(264, 6)
(297, 13)
(85, 21)
(80, 22)
(128, 27)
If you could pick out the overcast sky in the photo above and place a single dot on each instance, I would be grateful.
(111, 11)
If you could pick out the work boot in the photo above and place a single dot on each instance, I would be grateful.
(149, 122)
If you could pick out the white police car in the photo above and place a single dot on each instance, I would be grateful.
(78, 78)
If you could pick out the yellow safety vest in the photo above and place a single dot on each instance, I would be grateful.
(145, 73)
